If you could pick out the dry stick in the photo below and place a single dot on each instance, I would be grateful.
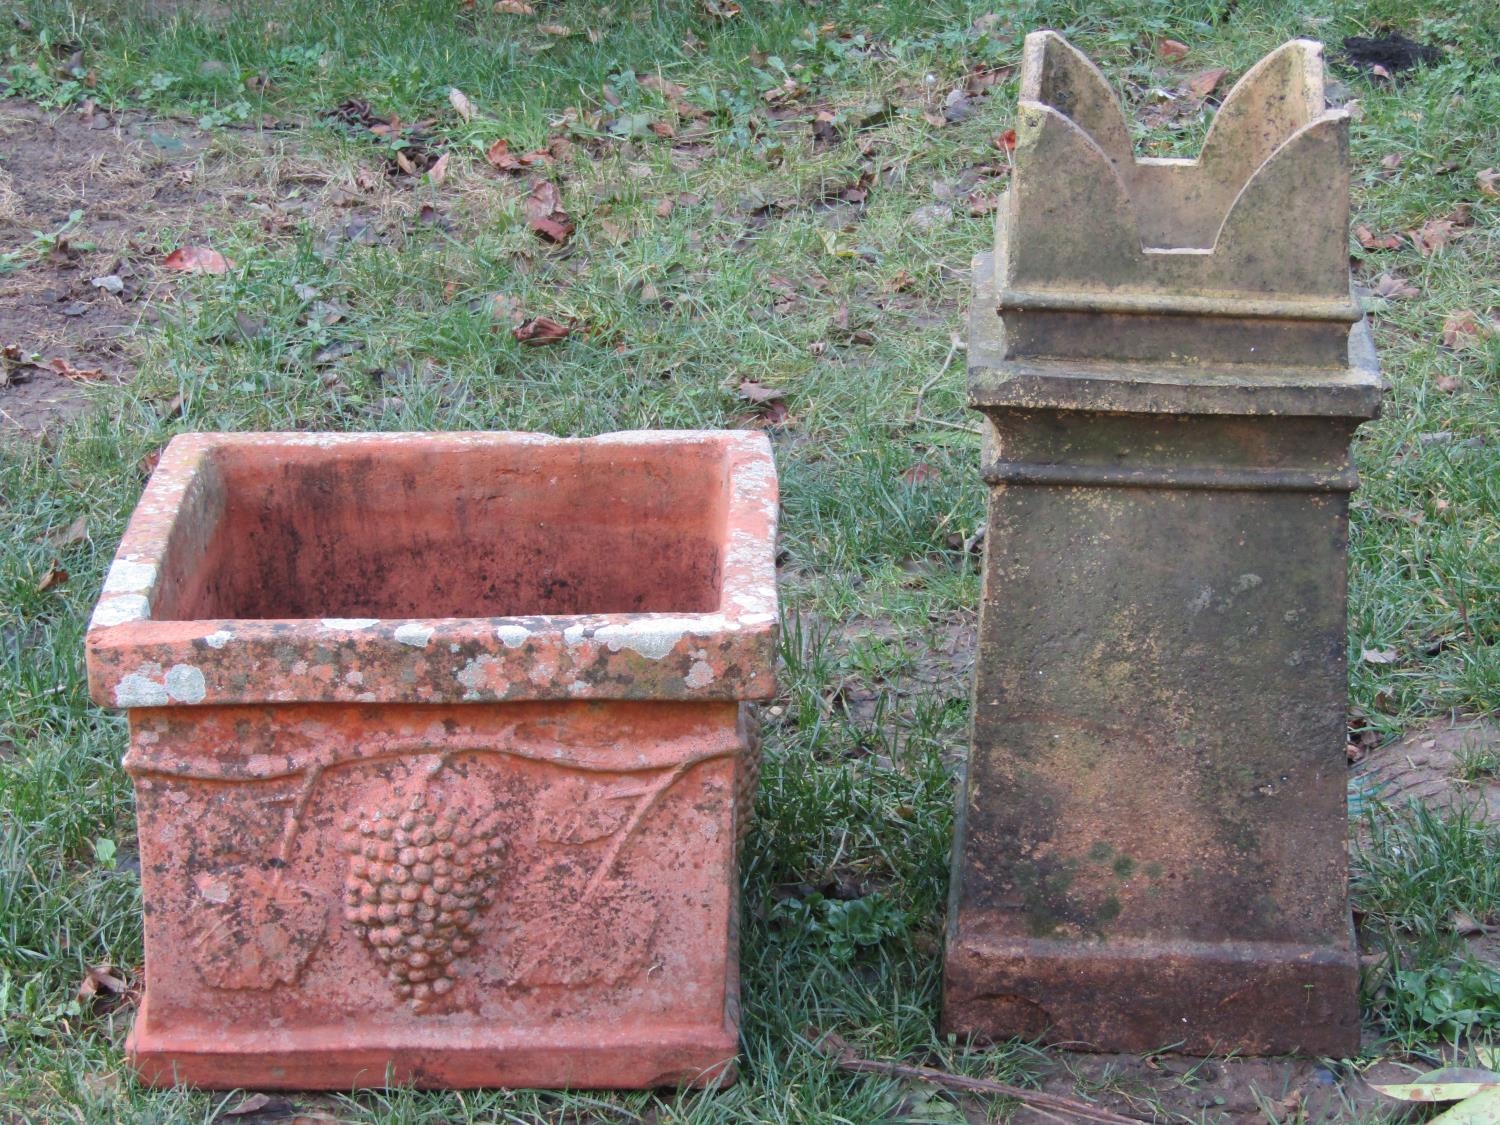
(918, 416)
(1079, 1111)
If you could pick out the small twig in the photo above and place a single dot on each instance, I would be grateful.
(946, 425)
(955, 343)
(835, 1047)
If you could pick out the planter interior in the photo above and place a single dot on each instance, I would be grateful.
(416, 532)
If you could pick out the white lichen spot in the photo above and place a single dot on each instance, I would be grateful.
(129, 577)
(350, 622)
(141, 688)
(120, 610)
(219, 638)
(415, 635)
(213, 887)
(299, 668)
(749, 602)
(700, 675)
(474, 676)
(654, 637)
(354, 677)
(1202, 600)
(514, 636)
(574, 635)
(185, 683)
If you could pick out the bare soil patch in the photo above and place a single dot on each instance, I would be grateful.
(1445, 766)
(128, 180)
(76, 290)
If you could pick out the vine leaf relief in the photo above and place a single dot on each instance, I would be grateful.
(254, 928)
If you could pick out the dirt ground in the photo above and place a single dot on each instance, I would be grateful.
(130, 180)
(77, 294)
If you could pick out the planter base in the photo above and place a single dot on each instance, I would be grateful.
(340, 1057)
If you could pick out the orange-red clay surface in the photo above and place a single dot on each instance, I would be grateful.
(442, 748)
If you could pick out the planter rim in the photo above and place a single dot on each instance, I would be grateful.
(725, 653)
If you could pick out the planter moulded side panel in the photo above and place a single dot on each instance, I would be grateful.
(532, 894)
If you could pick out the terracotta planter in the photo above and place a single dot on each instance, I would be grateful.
(441, 751)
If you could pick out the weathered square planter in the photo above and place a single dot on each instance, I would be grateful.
(441, 748)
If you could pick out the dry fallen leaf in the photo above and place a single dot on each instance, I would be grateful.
(500, 156)
(99, 978)
(544, 214)
(514, 8)
(197, 259)
(251, 1103)
(562, 31)
(758, 393)
(1006, 141)
(1378, 655)
(768, 416)
(900, 283)
(507, 309)
(1393, 288)
(1433, 235)
(439, 170)
(1171, 49)
(77, 374)
(1375, 242)
(1465, 925)
(541, 330)
(542, 200)
(1205, 82)
(920, 473)
(1447, 383)
(54, 577)
(1489, 182)
(669, 90)
(721, 9)
(1463, 328)
(461, 104)
(75, 532)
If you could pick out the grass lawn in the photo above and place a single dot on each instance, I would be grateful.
(773, 207)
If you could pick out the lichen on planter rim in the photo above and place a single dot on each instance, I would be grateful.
(139, 633)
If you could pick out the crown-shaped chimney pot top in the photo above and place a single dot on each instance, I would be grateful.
(1262, 211)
